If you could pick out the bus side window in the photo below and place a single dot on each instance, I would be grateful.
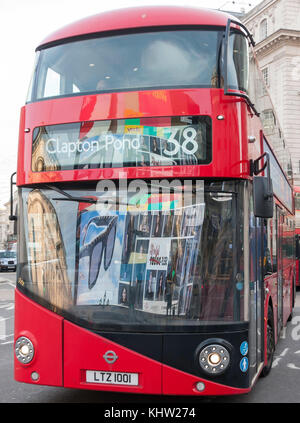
(267, 247)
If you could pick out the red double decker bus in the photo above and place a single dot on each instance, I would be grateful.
(155, 213)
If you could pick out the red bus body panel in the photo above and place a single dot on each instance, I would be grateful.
(64, 351)
(226, 162)
(84, 350)
(45, 330)
(176, 382)
(131, 18)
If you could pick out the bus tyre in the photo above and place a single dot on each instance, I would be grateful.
(270, 343)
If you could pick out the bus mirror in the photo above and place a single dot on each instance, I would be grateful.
(263, 197)
(262, 188)
(12, 216)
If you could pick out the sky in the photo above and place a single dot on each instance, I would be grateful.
(23, 25)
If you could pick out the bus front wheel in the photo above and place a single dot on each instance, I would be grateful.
(270, 343)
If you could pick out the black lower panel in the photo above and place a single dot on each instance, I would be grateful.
(181, 351)
(150, 345)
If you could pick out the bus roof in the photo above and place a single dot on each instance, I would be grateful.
(137, 17)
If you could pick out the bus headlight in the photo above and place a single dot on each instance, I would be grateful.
(214, 359)
(24, 350)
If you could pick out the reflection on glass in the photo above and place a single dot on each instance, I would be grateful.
(46, 252)
(97, 242)
(154, 59)
(104, 266)
(238, 68)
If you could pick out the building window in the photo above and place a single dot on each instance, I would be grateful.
(263, 29)
(265, 81)
(265, 73)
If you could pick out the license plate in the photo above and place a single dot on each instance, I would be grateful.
(112, 378)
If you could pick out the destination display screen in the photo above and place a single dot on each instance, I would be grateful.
(159, 141)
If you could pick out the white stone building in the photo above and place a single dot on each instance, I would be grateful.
(275, 25)
(8, 236)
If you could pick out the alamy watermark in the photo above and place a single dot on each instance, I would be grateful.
(137, 195)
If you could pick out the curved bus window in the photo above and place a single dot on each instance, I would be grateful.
(173, 59)
(238, 62)
(167, 260)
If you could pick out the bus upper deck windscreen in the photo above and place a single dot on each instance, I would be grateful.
(144, 60)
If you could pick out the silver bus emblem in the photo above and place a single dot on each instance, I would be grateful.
(110, 357)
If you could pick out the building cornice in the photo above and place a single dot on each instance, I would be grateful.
(281, 36)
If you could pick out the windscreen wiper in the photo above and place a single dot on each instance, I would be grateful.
(69, 197)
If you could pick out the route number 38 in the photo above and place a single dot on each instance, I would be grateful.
(189, 144)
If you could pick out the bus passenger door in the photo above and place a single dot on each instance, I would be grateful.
(259, 289)
(279, 220)
(255, 340)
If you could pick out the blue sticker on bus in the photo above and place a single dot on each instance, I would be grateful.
(244, 348)
(244, 364)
